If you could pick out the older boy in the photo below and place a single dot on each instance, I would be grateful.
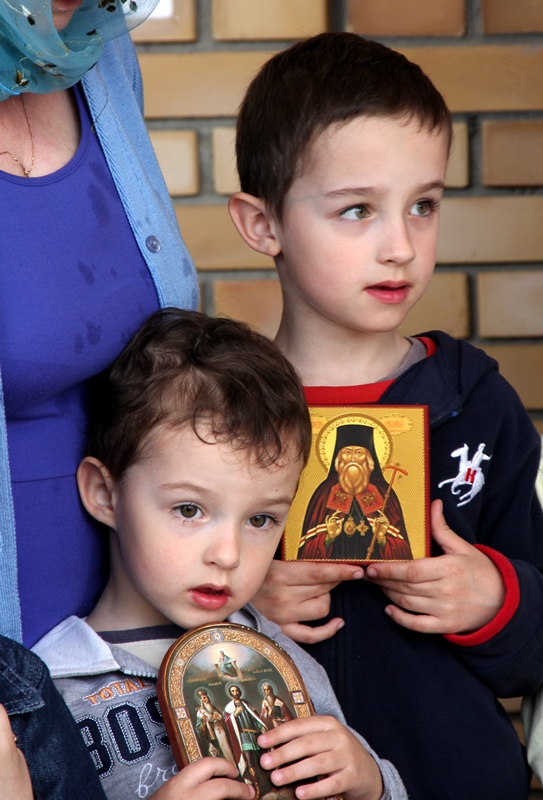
(342, 147)
(198, 434)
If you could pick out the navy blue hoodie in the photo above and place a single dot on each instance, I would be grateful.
(428, 702)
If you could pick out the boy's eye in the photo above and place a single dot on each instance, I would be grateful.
(260, 521)
(355, 213)
(188, 510)
(423, 208)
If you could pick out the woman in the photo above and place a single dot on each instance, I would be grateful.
(90, 247)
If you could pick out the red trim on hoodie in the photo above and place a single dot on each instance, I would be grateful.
(506, 612)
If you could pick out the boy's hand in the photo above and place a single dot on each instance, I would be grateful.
(312, 746)
(206, 779)
(457, 592)
(14, 777)
(300, 590)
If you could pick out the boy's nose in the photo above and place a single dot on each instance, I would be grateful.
(224, 548)
(395, 246)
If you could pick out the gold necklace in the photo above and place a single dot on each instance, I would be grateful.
(26, 171)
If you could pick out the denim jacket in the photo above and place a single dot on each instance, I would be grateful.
(113, 89)
(57, 759)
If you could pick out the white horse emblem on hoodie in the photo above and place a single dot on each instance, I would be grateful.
(469, 474)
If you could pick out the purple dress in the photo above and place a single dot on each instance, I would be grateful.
(73, 290)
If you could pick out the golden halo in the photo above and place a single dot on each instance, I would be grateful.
(326, 438)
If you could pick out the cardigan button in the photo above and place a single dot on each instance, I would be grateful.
(152, 244)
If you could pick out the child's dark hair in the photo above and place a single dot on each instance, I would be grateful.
(325, 80)
(229, 383)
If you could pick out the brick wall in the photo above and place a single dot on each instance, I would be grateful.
(486, 56)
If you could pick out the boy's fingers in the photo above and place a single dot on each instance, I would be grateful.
(423, 569)
(287, 609)
(409, 575)
(217, 789)
(300, 769)
(311, 573)
(422, 583)
(445, 537)
(305, 634)
(327, 786)
(220, 788)
(295, 592)
(305, 748)
(406, 571)
(294, 729)
(329, 574)
(422, 623)
(415, 603)
(206, 779)
(308, 609)
(206, 768)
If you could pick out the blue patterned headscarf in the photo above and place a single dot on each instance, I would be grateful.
(35, 57)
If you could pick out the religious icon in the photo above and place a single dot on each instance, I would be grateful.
(363, 495)
(217, 711)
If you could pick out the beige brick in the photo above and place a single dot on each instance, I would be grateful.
(272, 19)
(213, 241)
(177, 154)
(257, 302)
(472, 78)
(512, 152)
(406, 17)
(179, 26)
(522, 366)
(458, 167)
(484, 77)
(510, 303)
(197, 84)
(519, 16)
(491, 230)
(445, 306)
(225, 176)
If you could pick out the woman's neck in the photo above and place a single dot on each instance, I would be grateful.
(43, 129)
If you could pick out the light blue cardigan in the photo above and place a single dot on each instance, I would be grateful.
(113, 89)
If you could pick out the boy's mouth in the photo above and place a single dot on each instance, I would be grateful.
(389, 292)
(210, 597)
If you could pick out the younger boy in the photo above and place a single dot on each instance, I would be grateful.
(342, 147)
(197, 437)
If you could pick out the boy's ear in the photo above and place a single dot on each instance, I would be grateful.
(96, 490)
(254, 223)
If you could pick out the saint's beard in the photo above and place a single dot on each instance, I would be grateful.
(353, 479)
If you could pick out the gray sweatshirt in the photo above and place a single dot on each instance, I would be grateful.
(112, 696)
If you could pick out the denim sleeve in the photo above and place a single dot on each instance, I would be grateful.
(60, 766)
